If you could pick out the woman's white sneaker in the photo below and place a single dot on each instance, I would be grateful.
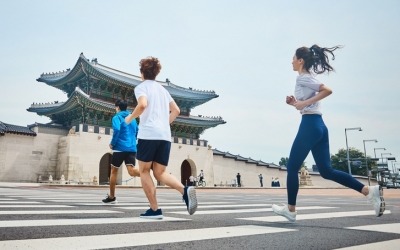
(375, 197)
(283, 210)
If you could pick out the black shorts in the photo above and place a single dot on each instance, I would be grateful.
(119, 157)
(154, 150)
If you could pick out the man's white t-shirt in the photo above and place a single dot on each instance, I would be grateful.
(306, 87)
(154, 121)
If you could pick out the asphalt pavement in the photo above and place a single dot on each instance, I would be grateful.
(73, 217)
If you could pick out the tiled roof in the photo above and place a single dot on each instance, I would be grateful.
(83, 67)
(15, 129)
(241, 158)
(78, 96)
(47, 125)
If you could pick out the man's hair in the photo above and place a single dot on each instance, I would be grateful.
(121, 104)
(150, 67)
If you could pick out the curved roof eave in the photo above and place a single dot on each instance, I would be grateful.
(59, 78)
(77, 96)
(199, 121)
(118, 77)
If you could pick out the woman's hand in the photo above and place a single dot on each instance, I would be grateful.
(299, 105)
(291, 100)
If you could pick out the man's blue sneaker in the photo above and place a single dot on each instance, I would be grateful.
(189, 196)
(151, 214)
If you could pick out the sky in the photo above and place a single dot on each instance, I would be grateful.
(240, 49)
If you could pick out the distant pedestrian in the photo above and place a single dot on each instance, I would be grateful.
(191, 180)
(201, 176)
(157, 110)
(123, 145)
(261, 180)
(277, 183)
(238, 176)
(313, 134)
(273, 182)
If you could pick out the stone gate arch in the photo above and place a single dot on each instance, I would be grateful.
(105, 169)
(188, 168)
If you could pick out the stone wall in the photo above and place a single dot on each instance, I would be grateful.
(77, 156)
(226, 169)
(199, 158)
(25, 158)
(80, 154)
(19, 161)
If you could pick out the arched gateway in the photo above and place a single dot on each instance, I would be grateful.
(188, 168)
(105, 169)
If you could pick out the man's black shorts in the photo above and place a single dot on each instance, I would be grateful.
(119, 157)
(154, 150)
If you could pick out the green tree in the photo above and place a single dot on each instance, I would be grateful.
(357, 161)
(283, 161)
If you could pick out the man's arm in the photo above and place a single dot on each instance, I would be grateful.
(116, 125)
(174, 111)
(140, 107)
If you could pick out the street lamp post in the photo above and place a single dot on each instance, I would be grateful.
(393, 168)
(347, 146)
(384, 154)
(366, 160)
(377, 149)
(396, 163)
(378, 174)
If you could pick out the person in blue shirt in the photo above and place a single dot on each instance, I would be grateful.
(123, 145)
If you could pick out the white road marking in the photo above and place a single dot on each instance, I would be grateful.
(33, 206)
(20, 202)
(278, 218)
(58, 212)
(183, 206)
(140, 239)
(384, 228)
(68, 222)
(254, 210)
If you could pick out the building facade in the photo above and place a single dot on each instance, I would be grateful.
(74, 145)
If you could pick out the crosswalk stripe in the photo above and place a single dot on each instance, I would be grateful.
(232, 211)
(121, 203)
(183, 206)
(389, 244)
(90, 221)
(20, 202)
(67, 198)
(33, 206)
(59, 212)
(384, 228)
(7, 199)
(313, 216)
(140, 239)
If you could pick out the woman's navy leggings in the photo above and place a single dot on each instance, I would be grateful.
(313, 136)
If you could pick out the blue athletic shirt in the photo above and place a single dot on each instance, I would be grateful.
(124, 135)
